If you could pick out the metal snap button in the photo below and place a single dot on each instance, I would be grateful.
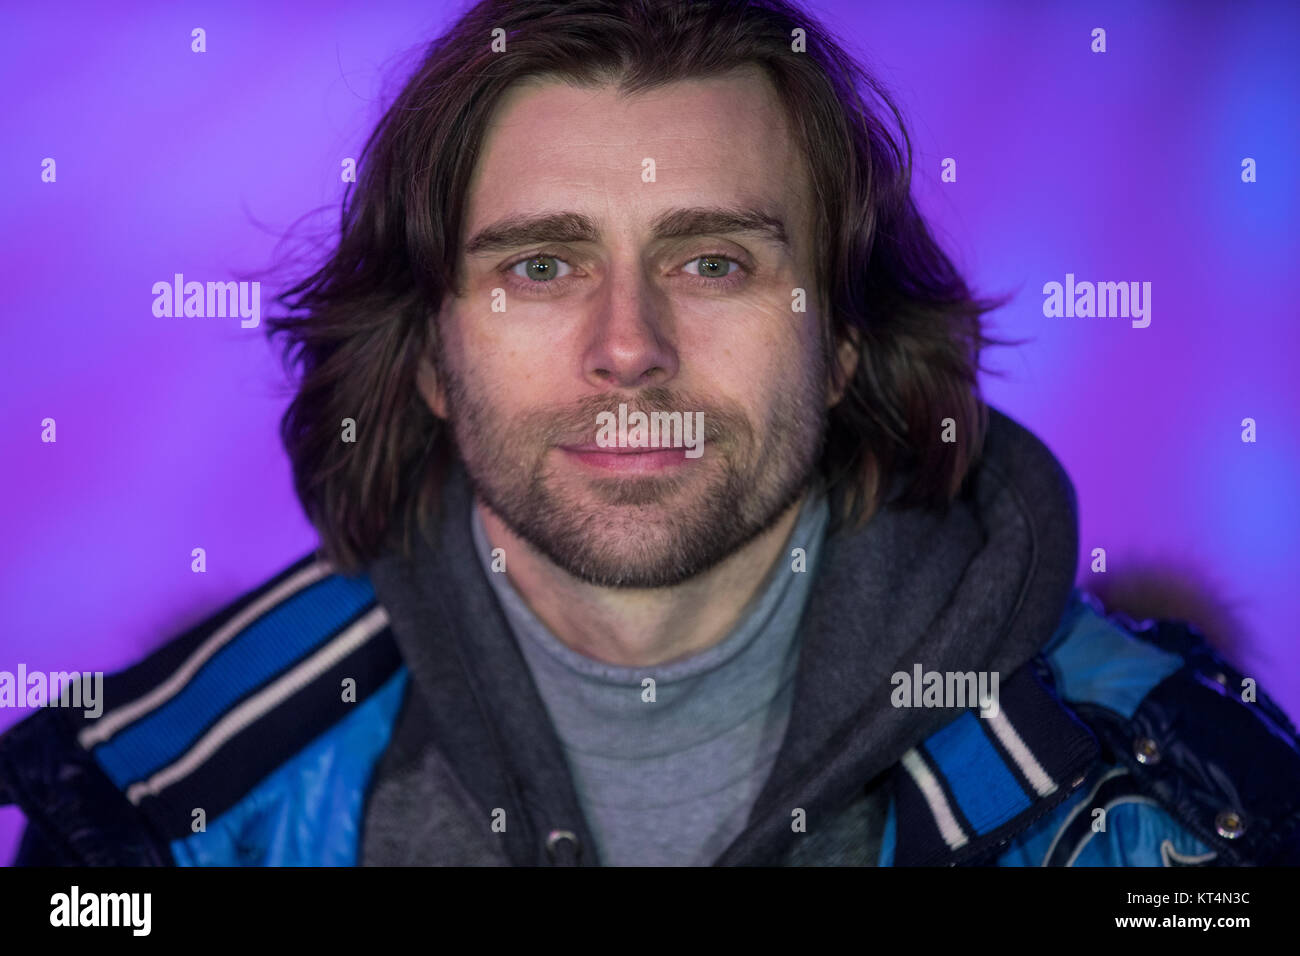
(555, 836)
(1146, 751)
(1229, 824)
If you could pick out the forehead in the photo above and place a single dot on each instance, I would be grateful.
(553, 146)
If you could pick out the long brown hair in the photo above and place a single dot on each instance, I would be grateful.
(357, 327)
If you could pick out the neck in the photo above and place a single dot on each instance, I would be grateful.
(640, 627)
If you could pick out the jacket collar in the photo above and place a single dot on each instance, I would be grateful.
(979, 780)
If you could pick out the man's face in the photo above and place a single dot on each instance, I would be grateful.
(635, 305)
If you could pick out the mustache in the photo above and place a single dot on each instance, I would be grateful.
(576, 423)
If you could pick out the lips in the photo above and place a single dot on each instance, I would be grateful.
(625, 460)
(600, 450)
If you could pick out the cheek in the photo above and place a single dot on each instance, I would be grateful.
(779, 344)
(501, 367)
(759, 374)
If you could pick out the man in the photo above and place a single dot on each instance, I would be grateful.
(661, 520)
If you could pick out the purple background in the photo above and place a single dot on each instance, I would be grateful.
(1122, 166)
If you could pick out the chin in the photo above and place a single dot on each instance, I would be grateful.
(622, 550)
(609, 573)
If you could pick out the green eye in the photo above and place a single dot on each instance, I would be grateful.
(539, 268)
(714, 267)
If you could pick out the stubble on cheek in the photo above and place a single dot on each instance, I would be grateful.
(645, 530)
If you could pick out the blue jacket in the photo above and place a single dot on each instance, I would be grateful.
(260, 736)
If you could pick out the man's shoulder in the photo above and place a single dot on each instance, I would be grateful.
(1105, 658)
(297, 610)
(1186, 727)
(209, 716)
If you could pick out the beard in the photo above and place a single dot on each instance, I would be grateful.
(652, 530)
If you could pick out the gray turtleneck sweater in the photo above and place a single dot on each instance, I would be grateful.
(671, 781)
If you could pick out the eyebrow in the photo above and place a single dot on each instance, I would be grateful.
(514, 231)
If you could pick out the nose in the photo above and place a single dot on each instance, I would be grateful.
(629, 338)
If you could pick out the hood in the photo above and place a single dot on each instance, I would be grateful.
(980, 586)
